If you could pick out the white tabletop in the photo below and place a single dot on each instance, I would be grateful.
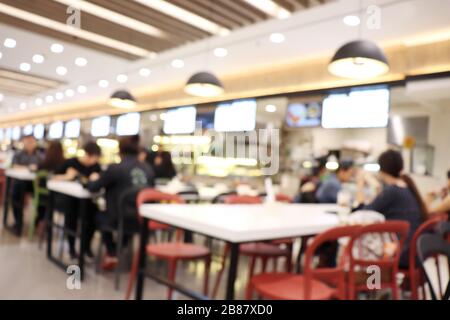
(245, 223)
(70, 188)
(20, 174)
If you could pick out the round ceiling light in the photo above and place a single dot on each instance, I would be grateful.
(204, 84)
(360, 59)
(122, 99)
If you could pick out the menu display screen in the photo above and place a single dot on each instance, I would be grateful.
(56, 130)
(300, 115)
(180, 120)
(27, 130)
(100, 127)
(361, 108)
(72, 129)
(236, 116)
(16, 133)
(128, 124)
(38, 131)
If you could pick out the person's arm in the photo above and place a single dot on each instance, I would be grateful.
(381, 202)
(444, 206)
(327, 192)
(102, 180)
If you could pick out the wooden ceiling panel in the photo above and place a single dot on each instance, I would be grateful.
(230, 14)
(24, 84)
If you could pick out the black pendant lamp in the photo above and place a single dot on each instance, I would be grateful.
(360, 59)
(204, 84)
(122, 99)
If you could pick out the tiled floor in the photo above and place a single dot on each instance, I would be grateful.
(25, 273)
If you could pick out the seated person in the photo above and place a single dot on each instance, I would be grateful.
(162, 165)
(443, 197)
(118, 178)
(329, 189)
(309, 184)
(52, 162)
(27, 158)
(81, 169)
(399, 198)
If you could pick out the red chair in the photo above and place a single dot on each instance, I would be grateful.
(397, 232)
(256, 250)
(172, 252)
(413, 273)
(313, 284)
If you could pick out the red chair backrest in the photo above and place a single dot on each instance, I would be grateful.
(283, 198)
(236, 199)
(336, 274)
(428, 225)
(397, 231)
(152, 195)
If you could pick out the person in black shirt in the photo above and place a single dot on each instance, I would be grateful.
(117, 179)
(399, 198)
(79, 169)
(52, 162)
(161, 162)
(27, 158)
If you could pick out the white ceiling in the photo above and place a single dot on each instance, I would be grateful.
(317, 31)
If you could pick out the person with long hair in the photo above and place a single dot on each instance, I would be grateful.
(398, 199)
(52, 162)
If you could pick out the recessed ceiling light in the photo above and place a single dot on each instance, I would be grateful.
(23, 106)
(122, 78)
(57, 48)
(351, 20)
(277, 38)
(59, 96)
(220, 52)
(10, 43)
(62, 71)
(25, 67)
(145, 72)
(162, 116)
(271, 108)
(68, 29)
(69, 93)
(178, 63)
(82, 89)
(1, 97)
(81, 62)
(49, 99)
(153, 117)
(103, 83)
(270, 7)
(38, 102)
(186, 16)
(38, 58)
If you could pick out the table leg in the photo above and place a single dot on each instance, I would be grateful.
(142, 259)
(83, 232)
(49, 219)
(232, 272)
(6, 202)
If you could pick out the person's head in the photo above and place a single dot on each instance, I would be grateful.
(448, 179)
(54, 156)
(391, 169)
(143, 153)
(92, 154)
(320, 166)
(391, 165)
(29, 143)
(129, 146)
(345, 171)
